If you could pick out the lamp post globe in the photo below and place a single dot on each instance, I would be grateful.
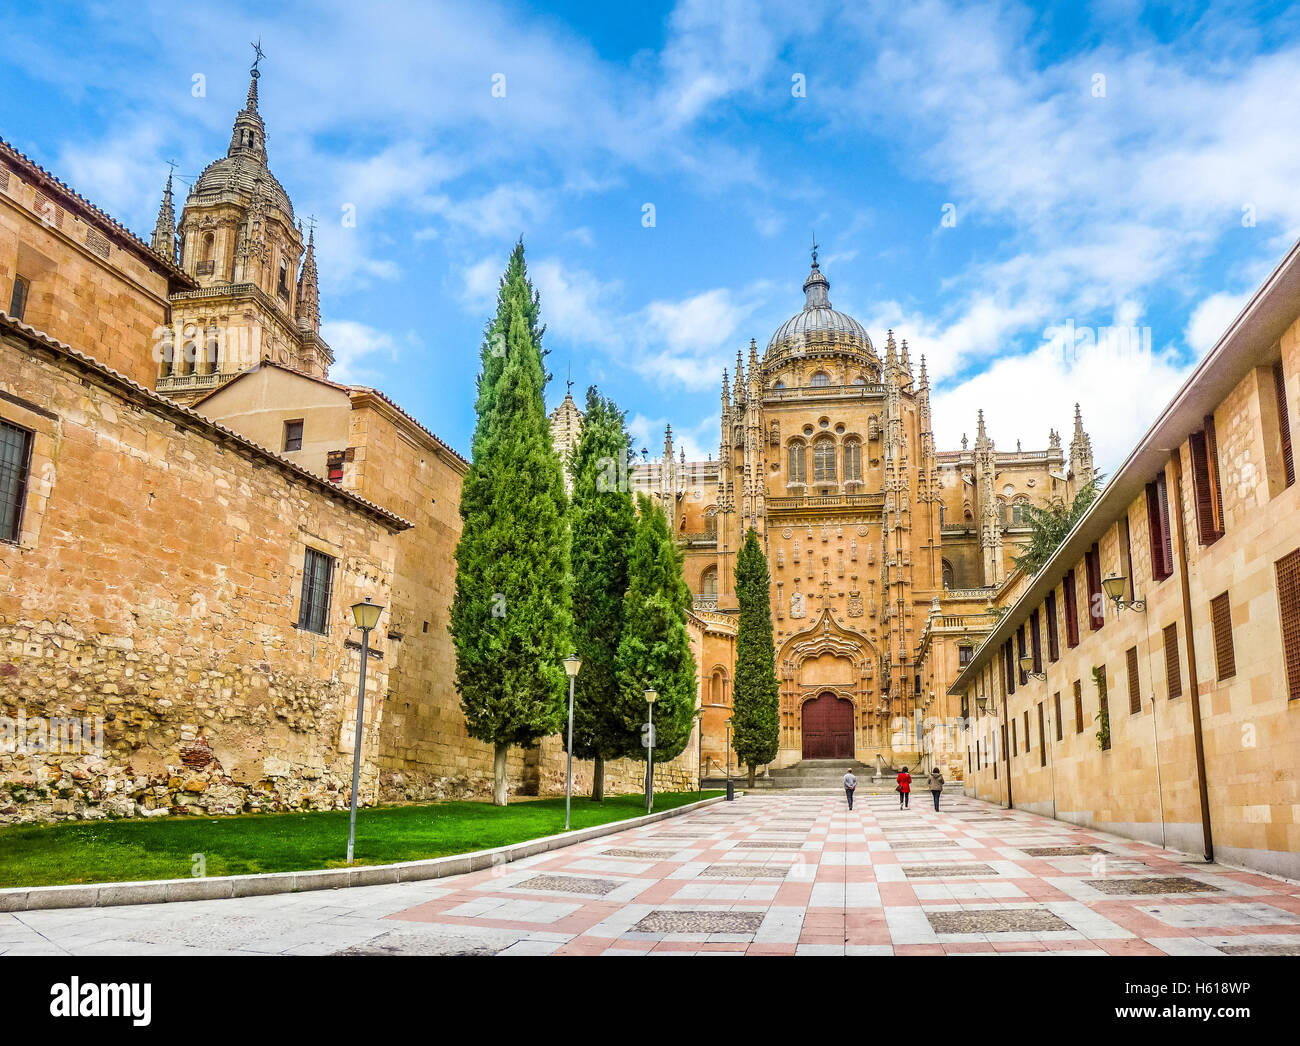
(366, 616)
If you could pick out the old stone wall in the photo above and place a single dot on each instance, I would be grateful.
(154, 595)
(86, 289)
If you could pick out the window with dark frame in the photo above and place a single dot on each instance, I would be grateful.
(1173, 661)
(1042, 737)
(1134, 687)
(1014, 750)
(1225, 655)
(293, 435)
(18, 299)
(1284, 421)
(1096, 603)
(1078, 706)
(1288, 598)
(1205, 483)
(1020, 652)
(1071, 610)
(1035, 642)
(15, 463)
(1056, 707)
(1159, 534)
(964, 655)
(1053, 642)
(317, 590)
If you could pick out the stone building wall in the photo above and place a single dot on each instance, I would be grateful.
(1146, 783)
(154, 592)
(92, 283)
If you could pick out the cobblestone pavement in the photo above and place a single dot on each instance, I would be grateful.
(774, 874)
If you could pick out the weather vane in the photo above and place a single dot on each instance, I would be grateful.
(814, 249)
(257, 50)
(569, 382)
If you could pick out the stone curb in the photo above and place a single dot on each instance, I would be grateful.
(95, 895)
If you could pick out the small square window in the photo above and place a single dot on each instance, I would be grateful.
(292, 435)
(15, 461)
(18, 300)
(317, 589)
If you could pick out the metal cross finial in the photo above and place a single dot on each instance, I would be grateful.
(257, 51)
(814, 249)
(173, 165)
(311, 223)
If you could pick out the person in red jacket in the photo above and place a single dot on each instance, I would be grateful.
(904, 780)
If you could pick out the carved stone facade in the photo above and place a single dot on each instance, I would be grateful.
(827, 451)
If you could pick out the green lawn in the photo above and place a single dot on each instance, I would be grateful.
(117, 851)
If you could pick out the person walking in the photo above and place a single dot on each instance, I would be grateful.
(904, 786)
(936, 785)
(850, 783)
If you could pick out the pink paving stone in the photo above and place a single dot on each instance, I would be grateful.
(585, 946)
(771, 949)
(920, 949)
(897, 895)
(1018, 946)
(1127, 947)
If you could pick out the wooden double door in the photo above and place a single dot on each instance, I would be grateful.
(828, 728)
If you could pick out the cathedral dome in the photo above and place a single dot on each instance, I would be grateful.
(240, 174)
(818, 322)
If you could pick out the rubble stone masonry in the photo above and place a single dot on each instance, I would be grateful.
(155, 586)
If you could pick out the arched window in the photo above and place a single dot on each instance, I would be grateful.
(852, 460)
(711, 521)
(779, 385)
(1002, 511)
(209, 246)
(284, 275)
(859, 380)
(1020, 514)
(820, 380)
(824, 461)
(797, 474)
(709, 583)
(947, 574)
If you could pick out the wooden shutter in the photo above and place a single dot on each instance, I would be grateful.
(1173, 662)
(1053, 643)
(1036, 643)
(1011, 668)
(1205, 484)
(1103, 702)
(1056, 704)
(1042, 738)
(1027, 745)
(1284, 421)
(1225, 656)
(1096, 606)
(1288, 595)
(1078, 706)
(1071, 610)
(1162, 553)
(1134, 688)
(1020, 652)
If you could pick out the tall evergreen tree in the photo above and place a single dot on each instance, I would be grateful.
(655, 648)
(603, 524)
(511, 616)
(755, 714)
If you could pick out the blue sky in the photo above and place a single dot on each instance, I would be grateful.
(1120, 165)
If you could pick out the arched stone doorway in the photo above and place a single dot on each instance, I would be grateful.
(827, 727)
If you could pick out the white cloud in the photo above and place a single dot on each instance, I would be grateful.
(1211, 318)
(358, 350)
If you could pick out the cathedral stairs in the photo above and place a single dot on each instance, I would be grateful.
(821, 775)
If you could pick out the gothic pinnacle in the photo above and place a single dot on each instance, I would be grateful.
(163, 240)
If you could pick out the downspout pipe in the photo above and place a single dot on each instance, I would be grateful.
(1198, 738)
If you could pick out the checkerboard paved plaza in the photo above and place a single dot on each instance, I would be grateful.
(770, 874)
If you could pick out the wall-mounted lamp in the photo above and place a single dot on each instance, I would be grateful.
(1113, 586)
(1027, 666)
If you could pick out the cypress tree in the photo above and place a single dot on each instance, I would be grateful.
(755, 716)
(655, 648)
(510, 617)
(603, 523)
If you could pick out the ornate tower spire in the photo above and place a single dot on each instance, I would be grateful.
(726, 390)
(307, 311)
(906, 362)
(163, 240)
(1081, 466)
(891, 351)
(738, 394)
(925, 378)
(248, 137)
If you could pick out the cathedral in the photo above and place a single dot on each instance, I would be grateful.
(886, 553)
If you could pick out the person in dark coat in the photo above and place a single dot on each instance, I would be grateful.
(936, 785)
(904, 780)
